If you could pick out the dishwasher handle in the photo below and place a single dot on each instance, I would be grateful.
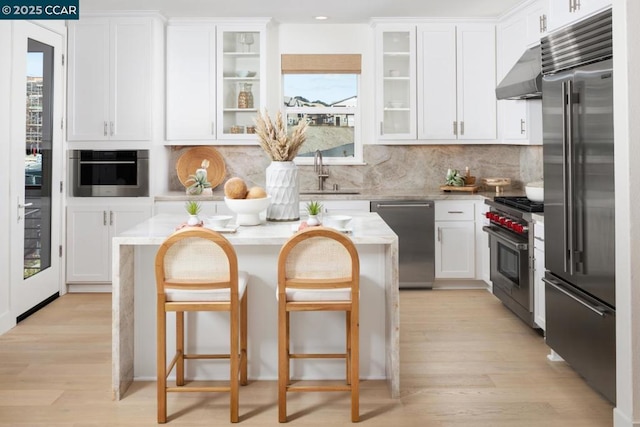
(399, 205)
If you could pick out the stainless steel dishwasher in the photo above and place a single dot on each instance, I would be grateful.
(413, 222)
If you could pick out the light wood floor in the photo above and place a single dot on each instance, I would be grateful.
(466, 361)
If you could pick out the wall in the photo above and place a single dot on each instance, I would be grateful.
(6, 320)
(626, 63)
(387, 168)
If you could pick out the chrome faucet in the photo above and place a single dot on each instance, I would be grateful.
(319, 169)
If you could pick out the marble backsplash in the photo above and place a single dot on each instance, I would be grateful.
(390, 167)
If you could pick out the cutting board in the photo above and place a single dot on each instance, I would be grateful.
(466, 188)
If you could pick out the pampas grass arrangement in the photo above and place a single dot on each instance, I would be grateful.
(273, 137)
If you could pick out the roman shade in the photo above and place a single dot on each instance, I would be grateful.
(321, 63)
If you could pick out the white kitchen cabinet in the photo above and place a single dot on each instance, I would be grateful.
(519, 121)
(537, 21)
(215, 81)
(396, 91)
(90, 229)
(538, 284)
(566, 12)
(109, 79)
(455, 239)
(456, 85)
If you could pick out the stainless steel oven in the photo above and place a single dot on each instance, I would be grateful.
(511, 253)
(109, 173)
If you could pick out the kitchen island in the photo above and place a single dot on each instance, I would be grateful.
(257, 248)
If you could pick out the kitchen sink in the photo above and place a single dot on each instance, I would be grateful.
(309, 192)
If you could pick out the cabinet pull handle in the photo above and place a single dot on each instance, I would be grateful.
(105, 128)
(576, 5)
(213, 128)
(455, 212)
(110, 217)
(522, 130)
(111, 128)
(104, 218)
(571, 9)
(381, 128)
(544, 23)
(541, 23)
(455, 127)
(461, 128)
(439, 234)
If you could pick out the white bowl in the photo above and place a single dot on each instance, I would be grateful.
(248, 210)
(242, 73)
(338, 221)
(395, 104)
(535, 191)
(219, 221)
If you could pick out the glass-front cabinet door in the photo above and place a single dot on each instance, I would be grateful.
(396, 82)
(242, 90)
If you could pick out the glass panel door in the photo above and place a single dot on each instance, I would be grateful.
(38, 155)
(36, 167)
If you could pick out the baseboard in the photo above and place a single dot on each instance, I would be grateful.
(7, 321)
(459, 284)
(88, 287)
(621, 420)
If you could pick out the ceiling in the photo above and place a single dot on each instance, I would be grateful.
(303, 11)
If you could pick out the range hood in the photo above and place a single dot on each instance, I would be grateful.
(524, 80)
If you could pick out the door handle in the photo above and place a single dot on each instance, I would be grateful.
(522, 130)
(21, 207)
(105, 128)
(110, 217)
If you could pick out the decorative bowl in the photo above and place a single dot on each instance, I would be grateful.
(242, 73)
(219, 221)
(338, 221)
(535, 191)
(248, 210)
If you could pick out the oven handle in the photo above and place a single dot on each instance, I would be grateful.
(107, 162)
(597, 310)
(516, 245)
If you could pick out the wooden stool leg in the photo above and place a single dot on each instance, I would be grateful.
(348, 352)
(243, 338)
(180, 348)
(354, 355)
(234, 365)
(161, 362)
(283, 361)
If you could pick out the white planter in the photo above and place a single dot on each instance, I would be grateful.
(193, 220)
(282, 184)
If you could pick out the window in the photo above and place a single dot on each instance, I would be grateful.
(323, 89)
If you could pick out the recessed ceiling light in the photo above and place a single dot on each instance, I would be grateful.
(321, 18)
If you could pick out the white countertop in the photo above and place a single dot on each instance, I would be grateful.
(365, 227)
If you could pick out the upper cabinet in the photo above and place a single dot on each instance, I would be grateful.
(215, 81)
(566, 12)
(456, 84)
(396, 95)
(435, 82)
(519, 121)
(110, 88)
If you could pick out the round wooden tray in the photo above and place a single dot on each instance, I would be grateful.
(191, 160)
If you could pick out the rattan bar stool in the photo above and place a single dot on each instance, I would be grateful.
(197, 270)
(318, 270)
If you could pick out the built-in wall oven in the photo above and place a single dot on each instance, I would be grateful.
(511, 253)
(109, 173)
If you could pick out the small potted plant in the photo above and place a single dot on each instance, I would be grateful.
(193, 209)
(313, 209)
(198, 181)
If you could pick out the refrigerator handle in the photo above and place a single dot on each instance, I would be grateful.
(567, 175)
(600, 311)
(570, 180)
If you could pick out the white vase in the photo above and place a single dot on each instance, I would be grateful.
(193, 220)
(282, 184)
(313, 220)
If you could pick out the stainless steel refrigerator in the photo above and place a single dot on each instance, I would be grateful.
(577, 108)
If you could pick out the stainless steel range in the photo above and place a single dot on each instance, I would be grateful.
(511, 248)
